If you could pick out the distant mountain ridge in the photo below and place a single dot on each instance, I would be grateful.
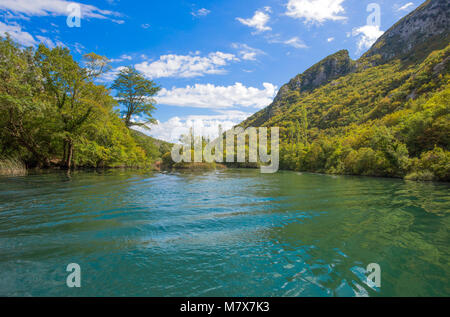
(425, 29)
(385, 114)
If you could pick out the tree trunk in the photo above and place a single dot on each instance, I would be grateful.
(17, 131)
(63, 160)
(69, 154)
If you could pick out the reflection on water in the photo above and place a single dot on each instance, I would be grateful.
(222, 233)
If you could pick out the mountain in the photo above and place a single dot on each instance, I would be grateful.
(332, 67)
(422, 30)
(386, 114)
(154, 148)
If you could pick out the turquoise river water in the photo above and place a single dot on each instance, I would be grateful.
(234, 232)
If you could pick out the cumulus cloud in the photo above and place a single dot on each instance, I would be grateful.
(246, 52)
(53, 7)
(17, 34)
(258, 21)
(405, 7)
(184, 66)
(218, 97)
(316, 11)
(203, 125)
(24, 38)
(367, 34)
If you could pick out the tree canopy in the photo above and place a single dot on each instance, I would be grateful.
(134, 93)
(52, 112)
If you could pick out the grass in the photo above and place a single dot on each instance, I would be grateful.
(420, 176)
(9, 167)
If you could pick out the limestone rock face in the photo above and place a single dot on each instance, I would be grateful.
(330, 68)
(425, 29)
(430, 21)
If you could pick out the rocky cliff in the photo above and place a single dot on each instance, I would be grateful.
(325, 71)
(416, 35)
(424, 29)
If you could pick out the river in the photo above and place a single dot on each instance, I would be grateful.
(233, 232)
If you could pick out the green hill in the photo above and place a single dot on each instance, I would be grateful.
(154, 148)
(386, 114)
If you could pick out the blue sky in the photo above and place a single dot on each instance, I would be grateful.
(218, 61)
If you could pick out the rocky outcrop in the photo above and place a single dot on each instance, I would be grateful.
(330, 68)
(428, 22)
(420, 32)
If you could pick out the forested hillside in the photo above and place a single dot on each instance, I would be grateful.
(386, 114)
(52, 113)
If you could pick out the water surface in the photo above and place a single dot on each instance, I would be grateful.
(222, 233)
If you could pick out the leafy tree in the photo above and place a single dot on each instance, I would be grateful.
(53, 113)
(71, 92)
(134, 93)
(22, 107)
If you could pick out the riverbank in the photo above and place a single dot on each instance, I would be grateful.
(16, 168)
(12, 167)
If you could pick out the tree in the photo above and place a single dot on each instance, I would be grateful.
(71, 91)
(95, 65)
(22, 107)
(134, 93)
(51, 108)
(304, 120)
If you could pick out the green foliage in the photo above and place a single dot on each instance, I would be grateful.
(135, 93)
(53, 113)
(420, 176)
(167, 160)
(150, 145)
(435, 162)
(22, 105)
(390, 120)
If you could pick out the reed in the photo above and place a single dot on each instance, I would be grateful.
(11, 166)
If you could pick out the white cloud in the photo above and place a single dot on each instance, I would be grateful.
(145, 26)
(121, 58)
(258, 21)
(53, 7)
(368, 34)
(110, 75)
(330, 39)
(49, 43)
(24, 38)
(17, 34)
(316, 11)
(405, 7)
(78, 47)
(204, 125)
(201, 12)
(246, 52)
(185, 66)
(295, 42)
(217, 97)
